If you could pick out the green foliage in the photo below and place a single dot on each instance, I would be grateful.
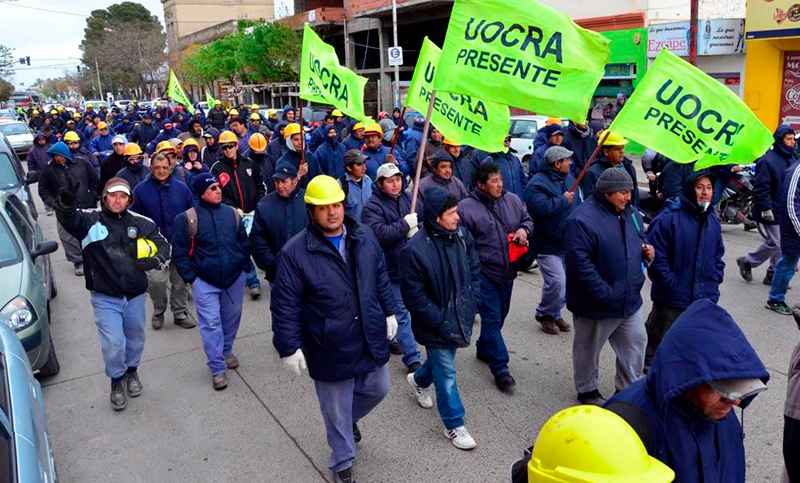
(7, 61)
(6, 89)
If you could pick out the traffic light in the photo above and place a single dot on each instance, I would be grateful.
(28, 60)
(22, 60)
(79, 69)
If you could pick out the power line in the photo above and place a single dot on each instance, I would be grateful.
(43, 9)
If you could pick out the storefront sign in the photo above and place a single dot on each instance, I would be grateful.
(672, 36)
(720, 37)
(773, 18)
(620, 71)
(790, 95)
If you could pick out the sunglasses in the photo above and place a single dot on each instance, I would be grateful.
(228, 146)
(214, 187)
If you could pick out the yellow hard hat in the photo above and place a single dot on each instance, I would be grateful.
(53, 111)
(589, 444)
(71, 136)
(133, 149)
(145, 248)
(292, 129)
(373, 128)
(615, 139)
(76, 115)
(552, 120)
(450, 142)
(102, 125)
(271, 112)
(257, 142)
(323, 190)
(162, 146)
(60, 108)
(255, 116)
(217, 102)
(358, 126)
(190, 142)
(36, 111)
(89, 105)
(254, 107)
(234, 112)
(226, 137)
(337, 113)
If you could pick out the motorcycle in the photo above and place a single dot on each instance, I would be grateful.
(736, 204)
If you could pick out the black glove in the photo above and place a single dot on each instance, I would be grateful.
(145, 264)
(66, 197)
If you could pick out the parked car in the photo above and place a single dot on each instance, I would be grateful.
(20, 137)
(122, 103)
(29, 284)
(204, 106)
(144, 105)
(523, 131)
(13, 177)
(96, 104)
(8, 115)
(25, 438)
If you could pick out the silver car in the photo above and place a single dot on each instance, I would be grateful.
(19, 136)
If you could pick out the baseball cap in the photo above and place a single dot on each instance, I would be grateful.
(119, 139)
(354, 156)
(285, 170)
(115, 185)
(388, 170)
(733, 389)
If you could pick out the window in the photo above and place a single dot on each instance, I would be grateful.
(8, 175)
(9, 253)
(14, 128)
(524, 129)
(21, 225)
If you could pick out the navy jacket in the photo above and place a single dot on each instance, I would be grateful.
(788, 210)
(604, 260)
(549, 209)
(514, 176)
(439, 282)
(162, 202)
(384, 215)
(582, 146)
(688, 265)
(491, 236)
(276, 221)
(673, 177)
(600, 164)
(770, 169)
(219, 255)
(164, 135)
(377, 158)
(703, 345)
(352, 143)
(133, 174)
(334, 309)
(143, 134)
(330, 155)
(412, 145)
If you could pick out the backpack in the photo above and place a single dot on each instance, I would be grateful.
(191, 220)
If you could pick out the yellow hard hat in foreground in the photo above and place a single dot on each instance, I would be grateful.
(71, 136)
(337, 113)
(226, 137)
(615, 139)
(323, 190)
(292, 129)
(589, 444)
(145, 248)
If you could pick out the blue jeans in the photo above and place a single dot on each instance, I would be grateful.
(120, 325)
(494, 305)
(219, 312)
(440, 370)
(252, 276)
(405, 337)
(345, 402)
(554, 290)
(784, 271)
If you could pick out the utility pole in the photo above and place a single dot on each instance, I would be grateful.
(99, 85)
(396, 68)
(693, 31)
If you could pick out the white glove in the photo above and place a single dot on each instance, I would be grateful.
(296, 362)
(412, 232)
(411, 219)
(391, 327)
(768, 216)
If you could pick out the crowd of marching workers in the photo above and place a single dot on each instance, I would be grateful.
(360, 266)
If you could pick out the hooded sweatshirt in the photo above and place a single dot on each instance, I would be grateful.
(210, 154)
(37, 156)
(330, 154)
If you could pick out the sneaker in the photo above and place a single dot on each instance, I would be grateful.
(548, 325)
(185, 320)
(49, 212)
(563, 325)
(505, 382)
(255, 292)
(157, 322)
(220, 381)
(119, 400)
(460, 437)
(414, 367)
(768, 277)
(344, 476)
(356, 433)
(231, 361)
(593, 398)
(779, 307)
(745, 270)
(135, 387)
(79, 269)
(395, 349)
(422, 394)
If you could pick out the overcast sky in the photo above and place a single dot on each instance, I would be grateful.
(50, 38)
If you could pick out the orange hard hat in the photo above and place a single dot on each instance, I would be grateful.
(258, 142)
(132, 149)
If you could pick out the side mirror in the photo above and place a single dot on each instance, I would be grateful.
(44, 248)
(32, 177)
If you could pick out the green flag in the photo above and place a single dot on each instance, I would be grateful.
(323, 80)
(176, 93)
(687, 116)
(524, 54)
(461, 118)
(209, 99)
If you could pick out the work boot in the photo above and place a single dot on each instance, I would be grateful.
(356, 433)
(79, 269)
(344, 476)
(505, 382)
(593, 398)
(220, 381)
(185, 320)
(255, 292)
(118, 397)
(135, 387)
(231, 361)
(745, 270)
(768, 277)
(157, 322)
(548, 325)
(395, 349)
(563, 325)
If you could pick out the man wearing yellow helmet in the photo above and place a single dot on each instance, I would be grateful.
(378, 153)
(256, 126)
(36, 121)
(355, 139)
(314, 291)
(295, 144)
(217, 115)
(611, 155)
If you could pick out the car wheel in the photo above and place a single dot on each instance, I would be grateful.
(51, 367)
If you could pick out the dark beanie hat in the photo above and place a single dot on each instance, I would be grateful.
(201, 183)
(614, 179)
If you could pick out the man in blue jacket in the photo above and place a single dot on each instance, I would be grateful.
(682, 410)
(440, 282)
(356, 184)
(278, 217)
(514, 177)
(161, 199)
(355, 139)
(688, 265)
(770, 171)
(612, 155)
(168, 132)
(549, 204)
(788, 214)
(213, 260)
(388, 214)
(144, 133)
(378, 153)
(100, 146)
(333, 307)
(555, 137)
(581, 140)
(295, 145)
(491, 214)
(330, 153)
(605, 250)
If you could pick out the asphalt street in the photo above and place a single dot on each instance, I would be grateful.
(267, 426)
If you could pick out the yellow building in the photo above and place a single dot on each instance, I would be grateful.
(772, 70)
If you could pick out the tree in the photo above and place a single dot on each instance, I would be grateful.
(271, 53)
(6, 90)
(128, 44)
(7, 61)
(217, 60)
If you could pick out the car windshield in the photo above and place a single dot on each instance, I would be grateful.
(7, 113)
(8, 177)
(8, 247)
(14, 128)
(525, 129)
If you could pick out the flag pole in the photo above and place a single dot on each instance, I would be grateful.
(397, 130)
(302, 131)
(421, 152)
(590, 161)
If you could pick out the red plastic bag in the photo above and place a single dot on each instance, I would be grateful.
(515, 251)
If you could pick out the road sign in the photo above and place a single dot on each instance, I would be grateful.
(395, 56)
